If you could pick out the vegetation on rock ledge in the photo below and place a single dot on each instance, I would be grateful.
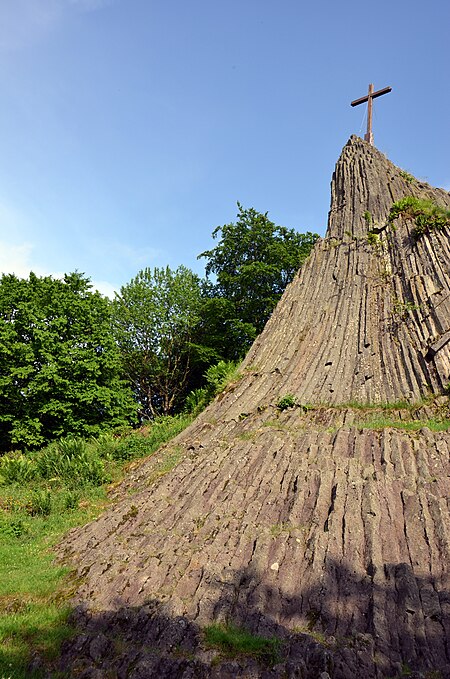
(235, 641)
(426, 213)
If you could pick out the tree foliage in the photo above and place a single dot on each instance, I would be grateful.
(59, 364)
(71, 361)
(253, 262)
(155, 316)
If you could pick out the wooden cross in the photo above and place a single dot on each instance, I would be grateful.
(369, 98)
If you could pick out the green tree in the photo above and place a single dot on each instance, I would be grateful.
(253, 262)
(59, 365)
(155, 317)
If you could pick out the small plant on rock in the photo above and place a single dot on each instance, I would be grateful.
(373, 239)
(402, 309)
(426, 213)
(288, 401)
(407, 176)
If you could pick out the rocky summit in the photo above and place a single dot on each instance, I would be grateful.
(308, 503)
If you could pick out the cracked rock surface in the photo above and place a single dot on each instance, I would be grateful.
(319, 526)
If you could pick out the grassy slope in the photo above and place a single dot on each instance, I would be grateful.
(34, 515)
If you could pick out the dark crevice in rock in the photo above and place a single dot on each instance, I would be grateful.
(331, 508)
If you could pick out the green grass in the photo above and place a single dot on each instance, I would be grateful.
(233, 641)
(35, 513)
(406, 425)
(33, 613)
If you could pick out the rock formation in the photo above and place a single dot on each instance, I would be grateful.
(324, 524)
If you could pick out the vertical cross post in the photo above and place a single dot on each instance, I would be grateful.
(369, 134)
(370, 97)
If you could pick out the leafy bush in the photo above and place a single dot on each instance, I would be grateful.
(288, 401)
(71, 499)
(41, 503)
(427, 214)
(373, 239)
(72, 460)
(197, 401)
(402, 309)
(105, 444)
(13, 528)
(217, 378)
(16, 468)
(220, 375)
(135, 445)
(139, 444)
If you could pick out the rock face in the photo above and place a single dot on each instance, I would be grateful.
(324, 526)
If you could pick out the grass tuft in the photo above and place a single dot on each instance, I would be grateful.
(233, 641)
(411, 425)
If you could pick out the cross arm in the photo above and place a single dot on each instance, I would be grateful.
(385, 90)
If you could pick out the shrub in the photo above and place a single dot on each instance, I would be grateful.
(158, 432)
(373, 239)
(220, 375)
(41, 503)
(16, 468)
(13, 528)
(288, 401)
(134, 445)
(217, 378)
(197, 401)
(71, 460)
(402, 309)
(426, 213)
(71, 499)
(105, 444)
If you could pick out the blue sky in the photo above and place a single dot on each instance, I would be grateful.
(130, 128)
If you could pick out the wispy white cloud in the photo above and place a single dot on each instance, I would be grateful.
(18, 259)
(104, 288)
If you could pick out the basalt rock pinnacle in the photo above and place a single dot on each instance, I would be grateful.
(366, 181)
(325, 524)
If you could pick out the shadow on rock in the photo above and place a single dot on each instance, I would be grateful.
(387, 624)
